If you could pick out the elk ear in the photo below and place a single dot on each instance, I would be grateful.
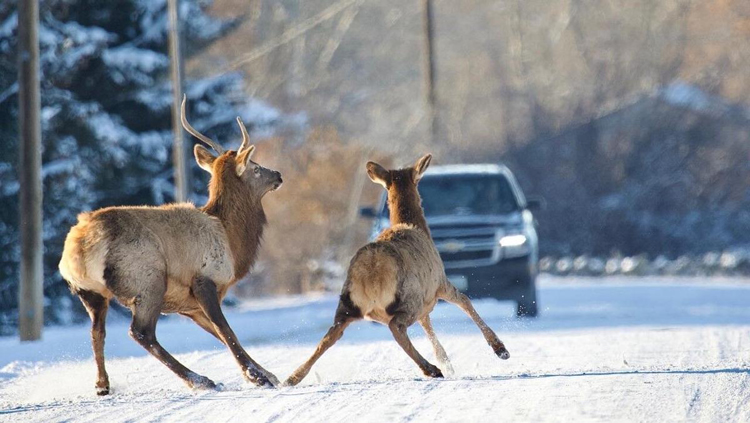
(378, 174)
(204, 158)
(422, 165)
(243, 157)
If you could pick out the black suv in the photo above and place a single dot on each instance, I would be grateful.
(483, 228)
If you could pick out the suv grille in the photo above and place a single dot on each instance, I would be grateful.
(466, 255)
(466, 245)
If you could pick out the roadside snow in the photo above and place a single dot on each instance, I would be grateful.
(619, 349)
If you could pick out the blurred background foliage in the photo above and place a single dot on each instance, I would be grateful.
(630, 117)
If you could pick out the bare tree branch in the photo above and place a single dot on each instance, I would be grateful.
(293, 33)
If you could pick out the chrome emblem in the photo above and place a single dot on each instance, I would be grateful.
(452, 246)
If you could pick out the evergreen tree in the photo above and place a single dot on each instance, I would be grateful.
(105, 119)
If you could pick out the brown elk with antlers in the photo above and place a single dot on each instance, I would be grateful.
(174, 258)
(397, 279)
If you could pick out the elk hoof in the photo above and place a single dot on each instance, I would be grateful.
(433, 372)
(273, 379)
(292, 380)
(258, 378)
(448, 369)
(102, 390)
(202, 382)
(503, 353)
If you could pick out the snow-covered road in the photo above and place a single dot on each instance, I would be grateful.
(603, 350)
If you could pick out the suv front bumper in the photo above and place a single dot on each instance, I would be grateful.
(508, 279)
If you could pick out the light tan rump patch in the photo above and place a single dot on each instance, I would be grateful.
(82, 262)
(373, 278)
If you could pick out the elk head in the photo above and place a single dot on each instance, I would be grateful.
(400, 180)
(231, 166)
(403, 198)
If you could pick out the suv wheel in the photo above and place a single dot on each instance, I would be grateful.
(527, 306)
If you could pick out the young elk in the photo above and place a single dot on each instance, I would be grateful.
(397, 279)
(174, 258)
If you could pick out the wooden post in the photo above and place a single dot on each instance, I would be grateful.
(30, 294)
(429, 69)
(179, 158)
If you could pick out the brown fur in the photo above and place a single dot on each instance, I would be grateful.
(241, 213)
(404, 200)
(397, 279)
(402, 264)
(174, 258)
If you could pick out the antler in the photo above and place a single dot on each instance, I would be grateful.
(211, 143)
(245, 136)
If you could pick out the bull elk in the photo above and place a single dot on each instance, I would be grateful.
(397, 279)
(174, 258)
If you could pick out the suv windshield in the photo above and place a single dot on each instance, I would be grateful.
(466, 195)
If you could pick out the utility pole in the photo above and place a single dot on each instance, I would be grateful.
(429, 68)
(179, 158)
(30, 293)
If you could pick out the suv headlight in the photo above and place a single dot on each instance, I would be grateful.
(514, 245)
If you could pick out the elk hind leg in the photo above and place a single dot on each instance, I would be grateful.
(97, 305)
(146, 308)
(346, 313)
(440, 354)
(398, 325)
(452, 295)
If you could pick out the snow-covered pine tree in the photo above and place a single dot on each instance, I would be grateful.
(106, 119)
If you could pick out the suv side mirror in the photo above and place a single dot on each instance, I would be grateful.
(536, 203)
(368, 212)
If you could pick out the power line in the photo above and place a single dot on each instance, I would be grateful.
(294, 32)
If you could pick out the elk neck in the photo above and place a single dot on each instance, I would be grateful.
(406, 205)
(240, 211)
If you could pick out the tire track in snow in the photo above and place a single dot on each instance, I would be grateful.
(576, 364)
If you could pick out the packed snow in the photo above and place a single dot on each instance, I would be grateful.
(603, 349)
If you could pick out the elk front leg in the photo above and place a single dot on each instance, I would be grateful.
(440, 353)
(398, 325)
(454, 296)
(205, 292)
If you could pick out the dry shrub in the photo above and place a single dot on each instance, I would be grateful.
(313, 225)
